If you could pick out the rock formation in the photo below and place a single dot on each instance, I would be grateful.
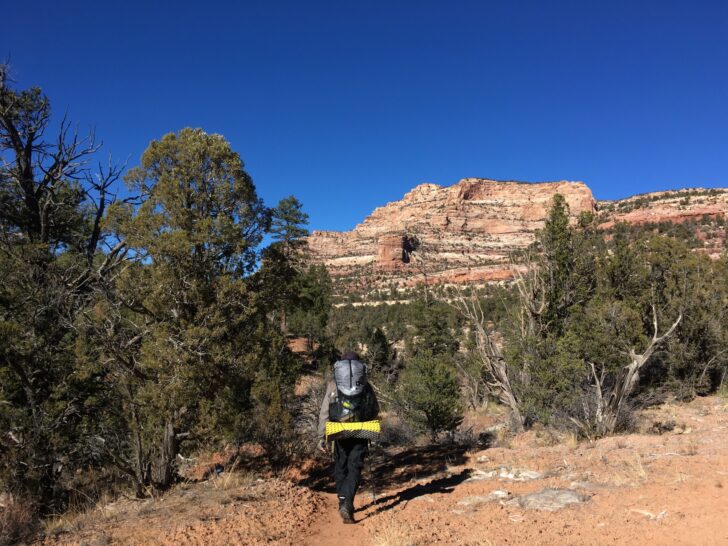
(466, 232)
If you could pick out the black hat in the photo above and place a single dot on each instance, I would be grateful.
(350, 355)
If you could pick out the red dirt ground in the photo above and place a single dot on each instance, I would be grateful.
(642, 488)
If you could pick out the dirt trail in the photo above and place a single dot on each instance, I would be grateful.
(329, 530)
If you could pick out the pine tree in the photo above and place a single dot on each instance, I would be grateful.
(288, 225)
(193, 332)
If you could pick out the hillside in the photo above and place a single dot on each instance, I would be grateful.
(466, 232)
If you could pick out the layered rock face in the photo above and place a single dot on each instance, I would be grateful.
(466, 232)
(463, 232)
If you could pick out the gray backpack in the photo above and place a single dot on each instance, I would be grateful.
(350, 377)
(354, 397)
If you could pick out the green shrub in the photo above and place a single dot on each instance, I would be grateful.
(428, 394)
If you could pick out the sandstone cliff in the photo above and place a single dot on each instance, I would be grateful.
(466, 232)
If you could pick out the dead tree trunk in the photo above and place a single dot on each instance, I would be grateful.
(496, 369)
(609, 407)
(164, 469)
(532, 304)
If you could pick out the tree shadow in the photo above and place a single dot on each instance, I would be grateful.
(441, 485)
(389, 468)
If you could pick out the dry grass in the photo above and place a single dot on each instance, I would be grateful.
(503, 438)
(682, 478)
(391, 532)
(571, 440)
(70, 521)
(637, 469)
(232, 479)
(690, 448)
(79, 516)
(631, 473)
(17, 521)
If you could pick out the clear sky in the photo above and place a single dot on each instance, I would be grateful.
(348, 105)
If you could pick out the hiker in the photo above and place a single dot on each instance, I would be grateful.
(349, 399)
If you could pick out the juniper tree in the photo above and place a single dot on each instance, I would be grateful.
(434, 325)
(309, 306)
(429, 395)
(195, 334)
(51, 209)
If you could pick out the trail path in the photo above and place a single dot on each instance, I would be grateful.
(331, 531)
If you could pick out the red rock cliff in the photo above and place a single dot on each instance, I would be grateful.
(466, 232)
(462, 231)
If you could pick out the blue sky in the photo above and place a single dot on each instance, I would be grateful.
(348, 105)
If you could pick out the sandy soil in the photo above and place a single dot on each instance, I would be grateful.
(666, 485)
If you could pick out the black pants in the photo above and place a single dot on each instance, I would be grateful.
(349, 457)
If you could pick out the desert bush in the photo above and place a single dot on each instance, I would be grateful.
(396, 431)
(273, 425)
(428, 394)
(306, 414)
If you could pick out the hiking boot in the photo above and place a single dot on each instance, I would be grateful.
(346, 511)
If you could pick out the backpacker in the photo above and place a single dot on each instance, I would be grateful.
(354, 400)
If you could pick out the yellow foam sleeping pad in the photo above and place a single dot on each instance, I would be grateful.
(366, 430)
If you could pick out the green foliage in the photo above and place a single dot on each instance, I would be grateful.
(163, 342)
(434, 329)
(287, 226)
(197, 345)
(310, 305)
(594, 309)
(273, 407)
(428, 393)
(49, 259)
(378, 352)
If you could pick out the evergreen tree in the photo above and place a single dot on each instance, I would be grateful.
(310, 306)
(378, 352)
(288, 225)
(195, 334)
(50, 234)
(434, 324)
(429, 395)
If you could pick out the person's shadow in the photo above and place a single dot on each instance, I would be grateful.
(440, 485)
(387, 468)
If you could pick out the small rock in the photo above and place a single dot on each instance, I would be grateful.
(477, 475)
(583, 485)
(475, 500)
(520, 475)
(551, 500)
(499, 494)
(650, 515)
(505, 473)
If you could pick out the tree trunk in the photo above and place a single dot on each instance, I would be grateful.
(610, 408)
(495, 366)
(164, 471)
